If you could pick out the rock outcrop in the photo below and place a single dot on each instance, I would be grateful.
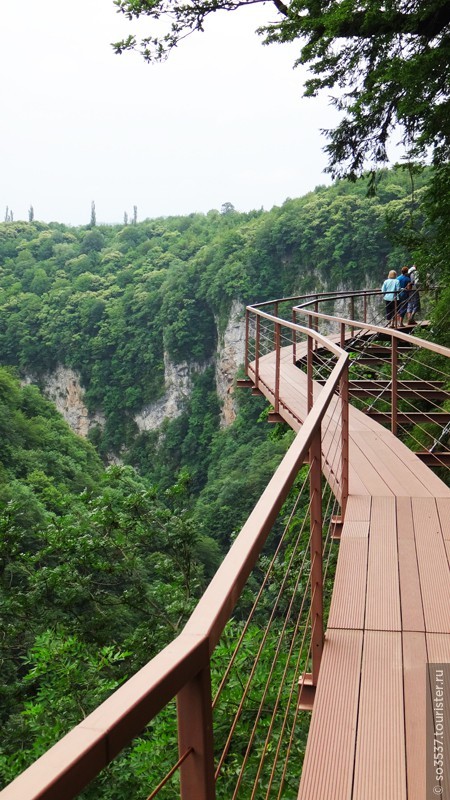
(178, 379)
(230, 354)
(64, 389)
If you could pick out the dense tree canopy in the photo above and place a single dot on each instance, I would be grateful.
(100, 567)
(109, 301)
(387, 62)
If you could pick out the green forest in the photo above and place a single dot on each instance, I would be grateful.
(101, 562)
(106, 543)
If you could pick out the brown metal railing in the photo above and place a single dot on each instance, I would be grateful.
(404, 355)
(182, 669)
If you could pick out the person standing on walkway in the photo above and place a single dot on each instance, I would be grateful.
(391, 291)
(404, 282)
(413, 296)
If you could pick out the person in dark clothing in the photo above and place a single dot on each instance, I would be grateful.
(404, 281)
(413, 296)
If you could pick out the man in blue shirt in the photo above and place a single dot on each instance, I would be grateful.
(404, 281)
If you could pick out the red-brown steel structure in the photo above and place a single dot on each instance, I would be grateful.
(358, 635)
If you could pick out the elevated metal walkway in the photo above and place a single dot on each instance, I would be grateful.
(366, 677)
(390, 609)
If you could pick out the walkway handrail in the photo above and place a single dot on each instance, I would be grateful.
(322, 340)
(182, 669)
(315, 296)
(319, 297)
(405, 337)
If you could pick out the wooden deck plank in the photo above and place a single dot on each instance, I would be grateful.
(394, 447)
(433, 565)
(349, 591)
(355, 484)
(438, 648)
(405, 525)
(399, 474)
(398, 480)
(355, 528)
(358, 508)
(410, 592)
(374, 483)
(392, 587)
(383, 590)
(443, 506)
(328, 764)
(380, 764)
(447, 547)
(415, 687)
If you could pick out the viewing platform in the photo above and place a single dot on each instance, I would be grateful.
(390, 608)
(356, 644)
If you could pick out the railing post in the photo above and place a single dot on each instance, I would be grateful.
(394, 385)
(294, 336)
(309, 373)
(257, 340)
(342, 341)
(365, 307)
(195, 733)
(308, 682)
(247, 330)
(315, 456)
(277, 366)
(352, 313)
(344, 439)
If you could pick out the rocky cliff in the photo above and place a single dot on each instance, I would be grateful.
(63, 385)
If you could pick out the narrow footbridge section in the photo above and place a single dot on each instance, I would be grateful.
(389, 620)
(331, 610)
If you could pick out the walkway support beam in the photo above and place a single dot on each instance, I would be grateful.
(195, 733)
(394, 385)
(277, 366)
(309, 368)
(257, 341)
(247, 337)
(294, 336)
(344, 439)
(316, 547)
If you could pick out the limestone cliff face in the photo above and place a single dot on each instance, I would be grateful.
(63, 388)
(230, 354)
(178, 380)
(63, 385)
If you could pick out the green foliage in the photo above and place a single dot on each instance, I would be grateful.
(388, 67)
(87, 598)
(100, 568)
(388, 63)
(243, 458)
(37, 440)
(108, 301)
(65, 678)
(183, 443)
(97, 573)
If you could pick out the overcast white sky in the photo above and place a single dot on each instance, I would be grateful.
(223, 120)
